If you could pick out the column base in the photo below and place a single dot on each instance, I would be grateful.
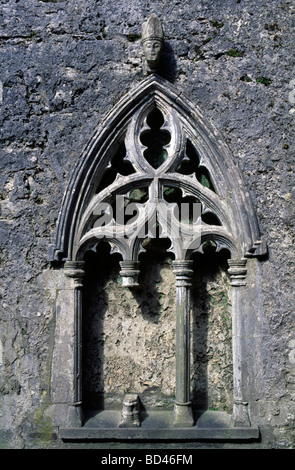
(240, 416)
(183, 415)
(76, 415)
(130, 412)
(66, 415)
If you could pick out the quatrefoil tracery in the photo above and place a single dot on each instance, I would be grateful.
(156, 138)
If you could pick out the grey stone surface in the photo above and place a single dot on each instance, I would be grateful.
(64, 66)
(158, 426)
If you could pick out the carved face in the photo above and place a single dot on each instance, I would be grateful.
(152, 50)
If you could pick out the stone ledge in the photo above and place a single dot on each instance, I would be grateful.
(192, 434)
(158, 426)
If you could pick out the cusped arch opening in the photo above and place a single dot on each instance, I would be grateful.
(211, 331)
(128, 340)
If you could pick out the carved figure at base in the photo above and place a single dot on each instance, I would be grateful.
(130, 412)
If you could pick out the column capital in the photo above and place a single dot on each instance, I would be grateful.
(237, 271)
(183, 272)
(129, 272)
(75, 270)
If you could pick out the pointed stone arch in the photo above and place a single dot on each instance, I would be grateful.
(234, 227)
(213, 153)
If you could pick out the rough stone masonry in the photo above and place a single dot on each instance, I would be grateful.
(64, 65)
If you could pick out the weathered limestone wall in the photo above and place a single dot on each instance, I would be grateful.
(64, 65)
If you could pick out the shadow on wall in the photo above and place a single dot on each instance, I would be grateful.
(128, 334)
(211, 336)
(168, 64)
(100, 267)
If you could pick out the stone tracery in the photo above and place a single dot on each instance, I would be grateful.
(158, 181)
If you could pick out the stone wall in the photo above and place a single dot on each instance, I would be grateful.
(64, 66)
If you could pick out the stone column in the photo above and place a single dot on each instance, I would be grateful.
(237, 270)
(183, 416)
(75, 270)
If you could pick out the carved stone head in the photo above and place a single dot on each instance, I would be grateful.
(152, 40)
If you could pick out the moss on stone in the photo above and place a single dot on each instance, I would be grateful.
(265, 81)
(43, 425)
(133, 37)
(235, 53)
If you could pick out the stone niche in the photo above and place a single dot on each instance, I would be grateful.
(211, 330)
(156, 306)
(129, 335)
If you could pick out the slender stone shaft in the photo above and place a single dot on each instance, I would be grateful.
(183, 415)
(75, 270)
(237, 270)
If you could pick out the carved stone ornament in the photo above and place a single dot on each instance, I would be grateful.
(152, 41)
(130, 412)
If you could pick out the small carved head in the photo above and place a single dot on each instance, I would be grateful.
(152, 40)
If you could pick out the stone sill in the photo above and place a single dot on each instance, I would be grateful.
(158, 426)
